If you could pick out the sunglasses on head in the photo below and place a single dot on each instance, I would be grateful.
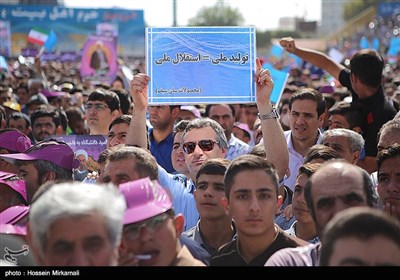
(205, 145)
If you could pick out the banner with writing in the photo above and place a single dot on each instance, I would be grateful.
(201, 65)
(93, 145)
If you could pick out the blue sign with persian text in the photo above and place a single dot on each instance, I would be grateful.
(201, 65)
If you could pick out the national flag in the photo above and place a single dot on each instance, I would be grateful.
(38, 36)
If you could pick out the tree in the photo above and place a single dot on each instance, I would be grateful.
(217, 15)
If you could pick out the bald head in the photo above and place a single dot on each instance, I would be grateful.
(336, 186)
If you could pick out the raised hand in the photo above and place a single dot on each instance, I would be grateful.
(138, 90)
(288, 44)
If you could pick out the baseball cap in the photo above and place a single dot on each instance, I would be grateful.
(144, 199)
(12, 229)
(15, 106)
(13, 214)
(192, 109)
(14, 140)
(51, 150)
(38, 98)
(244, 127)
(17, 185)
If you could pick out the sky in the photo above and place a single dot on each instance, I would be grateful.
(261, 14)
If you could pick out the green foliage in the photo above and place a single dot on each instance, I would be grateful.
(217, 15)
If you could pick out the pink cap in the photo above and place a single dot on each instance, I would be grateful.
(193, 109)
(12, 229)
(15, 141)
(17, 185)
(244, 127)
(13, 214)
(51, 150)
(144, 199)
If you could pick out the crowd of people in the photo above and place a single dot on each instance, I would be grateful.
(306, 182)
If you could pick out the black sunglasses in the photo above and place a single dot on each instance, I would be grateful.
(205, 145)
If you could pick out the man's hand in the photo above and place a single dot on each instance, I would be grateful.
(138, 90)
(265, 84)
(288, 44)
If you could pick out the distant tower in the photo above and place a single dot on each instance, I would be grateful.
(332, 16)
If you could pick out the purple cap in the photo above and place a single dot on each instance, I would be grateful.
(244, 127)
(51, 94)
(144, 199)
(13, 214)
(17, 185)
(12, 229)
(192, 109)
(56, 152)
(14, 140)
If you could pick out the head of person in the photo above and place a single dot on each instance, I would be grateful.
(250, 114)
(388, 162)
(12, 191)
(203, 139)
(20, 121)
(12, 141)
(76, 120)
(36, 102)
(101, 161)
(284, 113)
(335, 186)
(300, 209)
(101, 108)
(177, 154)
(45, 123)
(150, 224)
(346, 142)
(344, 115)
(125, 100)
(361, 236)
(251, 190)
(320, 153)
(83, 157)
(128, 163)
(389, 134)
(77, 224)
(118, 130)
(242, 132)
(48, 160)
(366, 68)
(224, 114)
(210, 188)
(163, 117)
(188, 112)
(307, 109)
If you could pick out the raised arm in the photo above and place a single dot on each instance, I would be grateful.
(137, 133)
(316, 58)
(273, 137)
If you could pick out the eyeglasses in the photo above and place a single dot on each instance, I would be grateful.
(132, 232)
(205, 145)
(97, 107)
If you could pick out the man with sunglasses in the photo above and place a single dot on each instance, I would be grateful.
(151, 229)
(204, 138)
(102, 107)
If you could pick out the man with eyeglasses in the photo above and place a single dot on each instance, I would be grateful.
(102, 107)
(151, 231)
